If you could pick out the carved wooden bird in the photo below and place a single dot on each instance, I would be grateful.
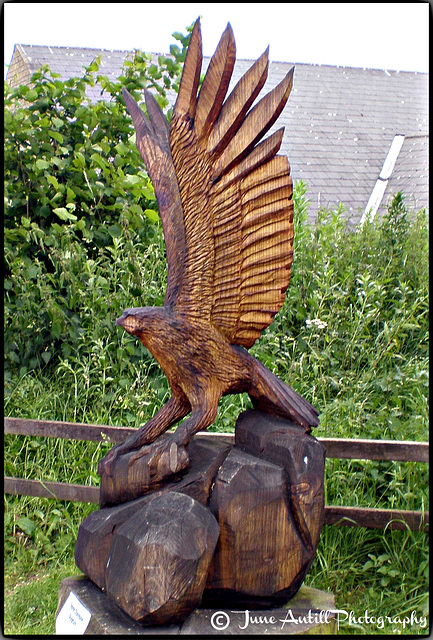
(225, 201)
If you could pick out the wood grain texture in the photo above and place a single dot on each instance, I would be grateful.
(260, 552)
(303, 459)
(97, 531)
(159, 559)
(133, 477)
(377, 518)
(130, 481)
(222, 249)
(53, 490)
(95, 537)
(374, 518)
(225, 199)
(205, 460)
(269, 518)
(343, 448)
(342, 516)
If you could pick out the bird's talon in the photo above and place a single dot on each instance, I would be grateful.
(106, 464)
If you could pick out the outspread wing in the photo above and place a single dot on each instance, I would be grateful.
(152, 139)
(231, 260)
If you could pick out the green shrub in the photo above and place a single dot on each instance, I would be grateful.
(75, 190)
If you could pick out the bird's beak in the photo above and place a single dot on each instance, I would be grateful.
(127, 321)
(123, 320)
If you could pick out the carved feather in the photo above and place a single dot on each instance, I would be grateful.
(215, 85)
(152, 139)
(238, 103)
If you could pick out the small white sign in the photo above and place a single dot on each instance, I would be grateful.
(73, 618)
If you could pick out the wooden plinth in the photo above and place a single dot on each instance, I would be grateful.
(309, 612)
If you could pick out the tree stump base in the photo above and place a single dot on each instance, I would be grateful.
(240, 527)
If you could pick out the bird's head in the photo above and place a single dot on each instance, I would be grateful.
(138, 321)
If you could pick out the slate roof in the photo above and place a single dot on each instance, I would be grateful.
(339, 122)
(412, 170)
(69, 62)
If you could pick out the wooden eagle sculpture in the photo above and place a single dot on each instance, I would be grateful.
(225, 201)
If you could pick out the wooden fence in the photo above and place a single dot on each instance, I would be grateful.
(335, 448)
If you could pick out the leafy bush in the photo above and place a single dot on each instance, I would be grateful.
(74, 187)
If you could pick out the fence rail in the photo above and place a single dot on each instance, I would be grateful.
(345, 448)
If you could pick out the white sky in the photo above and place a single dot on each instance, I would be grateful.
(383, 35)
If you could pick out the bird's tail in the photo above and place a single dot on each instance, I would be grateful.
(271, 395)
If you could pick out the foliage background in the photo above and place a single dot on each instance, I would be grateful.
(83, 241)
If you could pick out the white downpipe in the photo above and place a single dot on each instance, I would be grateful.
(382, 182)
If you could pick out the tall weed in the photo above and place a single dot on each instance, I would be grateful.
(353, 333)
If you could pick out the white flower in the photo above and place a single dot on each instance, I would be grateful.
(316, 322)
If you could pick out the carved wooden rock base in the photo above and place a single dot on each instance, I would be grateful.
(249, 501)
(160, 558)
(241, 526)
(127, 482)
(96, 533)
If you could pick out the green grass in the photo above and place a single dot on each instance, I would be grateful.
(31, 603)
(384, 573)
(352, 338)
